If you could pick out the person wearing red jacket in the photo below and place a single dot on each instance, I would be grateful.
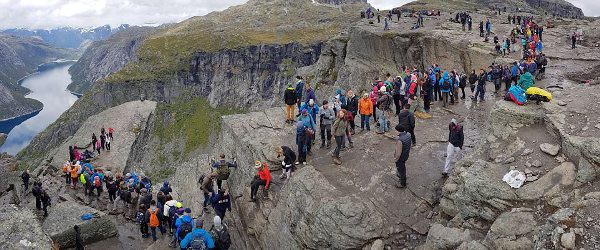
(262, 178)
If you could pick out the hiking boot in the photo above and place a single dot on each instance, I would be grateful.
(400, 186)
(328, 144)
(322, 145)
(337, 161)
(206, 210)
(351, 145)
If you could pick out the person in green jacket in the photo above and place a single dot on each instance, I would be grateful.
(339, 131)
(526, 81)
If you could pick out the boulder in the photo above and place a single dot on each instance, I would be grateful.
(377, 245)
(511, 230)
(551, 184)
(21, 230)
(567, 240)
(472, 245)
(63, 216)
(550, 149)
(441, 237)
(586, 172)
(2, 138)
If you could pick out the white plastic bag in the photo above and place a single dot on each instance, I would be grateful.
(514, 178)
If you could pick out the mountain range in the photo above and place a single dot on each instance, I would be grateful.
(67, 37)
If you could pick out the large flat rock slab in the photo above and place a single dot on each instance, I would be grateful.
(127, 120)
(63, 216)
(21, 230)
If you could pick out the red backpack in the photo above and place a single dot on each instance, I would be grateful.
(97, 182)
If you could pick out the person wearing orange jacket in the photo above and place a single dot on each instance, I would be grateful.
(262, 178)
(365, 108)
(75, 175)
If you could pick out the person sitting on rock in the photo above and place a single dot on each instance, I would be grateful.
(289, 157)
(262, 178)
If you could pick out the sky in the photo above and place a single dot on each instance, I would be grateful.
(92, 13)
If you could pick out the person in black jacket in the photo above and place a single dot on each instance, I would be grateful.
(37, 193)
(78, 240)
(406, 119)
(45, 198)
(25, 178)
(473, 82)
(289, 158)
(352, 106)
(289, 97)
(481, 79)
(456, 139)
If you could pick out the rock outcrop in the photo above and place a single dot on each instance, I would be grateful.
(2, 138)
(63, 216)
(105, 57)
(21, 230)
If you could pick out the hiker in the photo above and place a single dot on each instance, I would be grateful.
(462, 83)
(262, 178)
(427, 87)
(75, 175)
(349, 130)
(141, 219)
(481, 29)
(365, 107)
(78, 240)
(506, 77)
(37, 193)
(446, 87)
(352, 107)
(67, 172)
(289, 157)
(153, 219)
(573, 40)
(473, 82)
(169, 208)
(198, 238)
(310, 95)
(71, 154)
(94, 140)
(220, 234)
(326, 119)
(339, 131)
(374, 95)
(25, 178)
(184, 224)
(480, 85)
(145, 197)
(111, 131)
(406, 119)
(313, 110)
(496, 73)
(526, 80)
(309, 122)
(45, 199)
(166, 188)
(108, 140)
(455, 144)
(488, 27)
(299, 91)
(383, 104)
(221, 202)
(112, 188)
(98, 146)
(102, 141)
(222, 170)
(386, 25)
(206, 184)
(96, 182)
(289, 97)
(302, 141)
(398, 93)
(401, 154)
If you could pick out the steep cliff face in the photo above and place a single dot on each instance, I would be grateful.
(103, 58)
(18, 58)
(552, 7)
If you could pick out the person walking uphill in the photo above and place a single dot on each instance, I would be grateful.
(302, 141)
(299, 91)
(289, 97)
(198, 238)
(401, 153)
(456, 139)
(222, 170)
(206, 184)
(262, 178)
(25, 178)
(339, 131)
(365, 108)
(446, 84)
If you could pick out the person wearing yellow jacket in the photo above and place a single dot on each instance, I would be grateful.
(538, 95)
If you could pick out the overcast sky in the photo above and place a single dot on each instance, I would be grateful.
(92, 13)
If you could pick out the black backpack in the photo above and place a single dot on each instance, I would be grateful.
(197, 244)
(185, 229)
(125, 195)
(222, 238)
(223, 171)
(447, 84)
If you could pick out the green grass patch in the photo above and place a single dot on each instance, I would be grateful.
(193, 120)
(161, 174)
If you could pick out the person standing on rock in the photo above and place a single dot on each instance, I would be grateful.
(37, 193)
(25, 178)
(220, 234)
(401, 154)
(308, 120)
(198, 238)
(472, 82)
(365, 107)
(481, 79)
(75, 175)
(287, 165)
(301, 141)
(446, 85)
(352, 106)
(289, 97)
(299, 92)
(262, 178)
(206, 184)
(111, 131)
(94, 140)
(102, 141)
(221, 203)
(573, 40)
(406, 119)
(382, 106)
(45, 199)
(67, 172)
(166, 188)
(108, 140)
(456, 139)
(153, 219)
(481, 29)
(326, 118)
(339, 131)
(222, 169)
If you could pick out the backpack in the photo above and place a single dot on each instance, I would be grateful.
(197, 244)
(386, 103)
(125, 195)
(82, 179)
(222, 238)
(447, 84)
(153, 218)
(223, 171)
(184, 230)
(139, 218)
(172, 212)
(97, 182)
(201, 179)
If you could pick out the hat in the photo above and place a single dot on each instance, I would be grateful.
(453, 121)
(188, 210)
(128, 175)
(199, 223)
(366, 95)
(257, 164)
(311, 102)
(178, 205)
(305, 111)
(217, 221)
(382, 89)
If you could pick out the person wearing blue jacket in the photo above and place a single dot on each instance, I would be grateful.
(166, 188)
(309, 121)
(313, 110)
(179, 222)
(514, 72)
(221, 203)
(310, 94)
(446, 84)
(198, 235)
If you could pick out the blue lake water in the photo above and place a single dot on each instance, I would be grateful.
(49, 87)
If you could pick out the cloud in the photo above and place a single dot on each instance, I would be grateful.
(92, 13)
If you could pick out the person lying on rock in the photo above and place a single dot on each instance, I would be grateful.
(262, 178)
